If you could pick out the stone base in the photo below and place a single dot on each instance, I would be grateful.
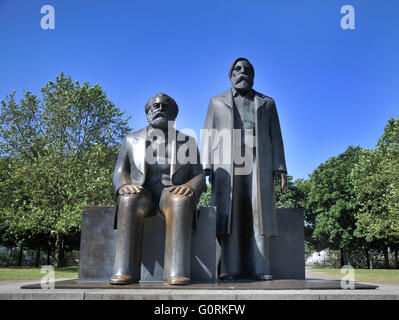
(220, 285)
(97, 246)
(287, 250)
(97, 251)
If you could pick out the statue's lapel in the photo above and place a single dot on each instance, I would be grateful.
(139, 149)
(174, 164)
(227, 98)
(259, 103)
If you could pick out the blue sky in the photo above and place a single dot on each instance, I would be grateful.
(333, 87)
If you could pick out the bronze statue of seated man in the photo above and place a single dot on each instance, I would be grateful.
(154, 180)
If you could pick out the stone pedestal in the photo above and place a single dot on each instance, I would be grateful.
(287, 250)
(97, 247)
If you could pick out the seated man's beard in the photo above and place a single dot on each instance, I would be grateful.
(159, 123)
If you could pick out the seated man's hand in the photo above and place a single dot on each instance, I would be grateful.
(130, 189)
(182, 190)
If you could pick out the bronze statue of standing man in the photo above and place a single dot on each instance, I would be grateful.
(152, 177)
(243, 183)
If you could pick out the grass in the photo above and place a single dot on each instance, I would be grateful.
(365, 275)
(361, 275)
(28, 273)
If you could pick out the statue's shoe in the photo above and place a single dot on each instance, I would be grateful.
(230, 277)
(262, 277)
(177, 280)
(121, 280)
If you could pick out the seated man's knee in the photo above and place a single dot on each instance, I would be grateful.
(138, 202)
(178, 203)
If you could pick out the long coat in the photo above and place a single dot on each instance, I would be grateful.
(269, 158)
(131, 166)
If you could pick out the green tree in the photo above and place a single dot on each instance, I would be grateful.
(376, 185)
(7, 239)
(332, 201)
(205, 199)
(64, 147)
(14, 229)
(293, 196)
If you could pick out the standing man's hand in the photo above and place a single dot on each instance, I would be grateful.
(209, 173)
(281, 178)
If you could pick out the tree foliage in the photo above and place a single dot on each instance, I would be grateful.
(332, 200)
(353, 199)
(60, 151)
(293, 195)
(376, 184)
(205, 199)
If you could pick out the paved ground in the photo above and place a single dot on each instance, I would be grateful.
(10, 289)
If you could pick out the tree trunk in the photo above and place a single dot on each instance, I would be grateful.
(59, 251)
(397, 257)
(20, 255)
(37, 258)
(366, 251)
(343, 260)
(48, 257)
(386, 258)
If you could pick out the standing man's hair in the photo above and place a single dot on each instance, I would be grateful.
(239, 59)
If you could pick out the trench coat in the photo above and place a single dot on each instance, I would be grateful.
(269, 158)
(131, 166)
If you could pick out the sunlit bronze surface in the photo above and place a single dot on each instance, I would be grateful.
(145, 188)
(246, 211)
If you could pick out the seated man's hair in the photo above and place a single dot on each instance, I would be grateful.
(165, 98)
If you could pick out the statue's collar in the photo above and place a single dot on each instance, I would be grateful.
(249, 94)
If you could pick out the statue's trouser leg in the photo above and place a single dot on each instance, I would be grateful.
(258, 254)
(232, 259)
(132, 210)
(178, 211)
(245, 252)
(261, 261)
(258, 246)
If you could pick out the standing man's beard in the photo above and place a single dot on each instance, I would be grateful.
(242, 82)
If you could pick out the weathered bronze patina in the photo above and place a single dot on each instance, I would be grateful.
(242, 182)
(150, 178)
